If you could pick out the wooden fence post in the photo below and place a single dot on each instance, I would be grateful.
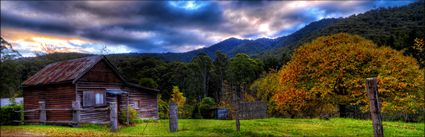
(173, 117)
(372, 92)
(42, 106)
(127, 110)
(76, 106)
(113, 116)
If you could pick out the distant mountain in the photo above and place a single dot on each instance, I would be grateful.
(233, 46)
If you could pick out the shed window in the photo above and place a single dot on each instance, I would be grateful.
(136, 104)
(93, 98)
(99, 99)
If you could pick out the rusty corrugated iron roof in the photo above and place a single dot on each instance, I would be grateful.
(68, 70)
(71, 71)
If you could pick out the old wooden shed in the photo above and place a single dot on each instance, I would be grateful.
(93, 82)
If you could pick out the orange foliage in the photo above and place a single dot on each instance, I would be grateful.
(333, 69)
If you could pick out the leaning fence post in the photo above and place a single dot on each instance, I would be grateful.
(42, 106)
(76, 113)
(372, 92)
(173, 117)
(113, 116)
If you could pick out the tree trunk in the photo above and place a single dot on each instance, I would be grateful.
(221, 91)
(342, 110)
(204, 83)
(238, 94)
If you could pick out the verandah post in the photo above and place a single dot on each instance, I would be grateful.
(113, 116)
(372, 92)
(76, 107)
(42, 106)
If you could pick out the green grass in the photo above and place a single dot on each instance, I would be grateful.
(258, 127)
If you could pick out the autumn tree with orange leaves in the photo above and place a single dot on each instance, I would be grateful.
(328, 74)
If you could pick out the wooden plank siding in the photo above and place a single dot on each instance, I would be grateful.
(148, 104)
(98, 116)
(56, 96)
(31, 98)
(101, 72)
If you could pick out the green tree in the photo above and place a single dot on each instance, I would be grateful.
(202, 65)
(9, 71)
(241, 71)
(148, 82)
(220, 64)
(178, 98)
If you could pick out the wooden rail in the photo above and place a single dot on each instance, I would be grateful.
(76, 114)
(56, 109)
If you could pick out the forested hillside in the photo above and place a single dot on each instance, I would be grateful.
(396, 27)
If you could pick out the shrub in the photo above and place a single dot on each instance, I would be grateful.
(207, 107)
(186, 111)
(8, 114)
(133, 116)
(162, 108)
(196, 114)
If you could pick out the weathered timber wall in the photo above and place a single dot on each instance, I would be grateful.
(101, 72)
(31, 98)
(148, 105)
(56, 96)
(95, 116)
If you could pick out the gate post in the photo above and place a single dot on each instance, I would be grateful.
(372, 92)
(173, 117)
(42, 106)
(76, 113)
(113, 116)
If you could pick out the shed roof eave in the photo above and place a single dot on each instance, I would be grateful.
(142, 87)
(55, 83)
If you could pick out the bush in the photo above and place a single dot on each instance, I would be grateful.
(133, 116)
(196, 114)
(186, 111)
(207, 107)
(162, 108)
(8, 114)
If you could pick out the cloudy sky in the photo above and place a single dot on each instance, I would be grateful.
(160, 26)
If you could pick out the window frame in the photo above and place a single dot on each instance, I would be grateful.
(91, 95)
(136, 104)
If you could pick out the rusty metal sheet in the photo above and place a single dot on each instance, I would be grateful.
(62, 71)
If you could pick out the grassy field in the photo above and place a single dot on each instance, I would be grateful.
(258, 127)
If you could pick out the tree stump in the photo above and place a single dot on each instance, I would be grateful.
(173, 117)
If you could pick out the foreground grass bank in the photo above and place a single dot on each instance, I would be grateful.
(258, 127)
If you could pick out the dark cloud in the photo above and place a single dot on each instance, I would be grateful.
(149, 26)
(36, 24)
